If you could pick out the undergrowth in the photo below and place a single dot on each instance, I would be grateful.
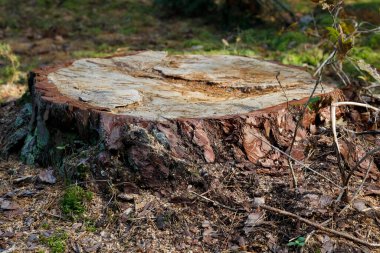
(56, 242)
(74, 201)
(9, 65)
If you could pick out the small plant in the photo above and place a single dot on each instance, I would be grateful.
(74, 200)
(90, 225)
(9, 65)
(299, 242)
(45, 225)
(56, 242)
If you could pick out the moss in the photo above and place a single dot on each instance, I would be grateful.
(374, 41)
(90, 225)
(205, 38)
(269, 38)
(288, 40)
(324, 20)
(88, 53)
(45, 225)
(257, 36)
(73, 202)
(56, 242)
(242, 52)
(309, 57)
(369, 55)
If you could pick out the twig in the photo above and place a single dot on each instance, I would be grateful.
(362, 184)
(359, 188)
(338, 72)
(216, 202)
(369, 31)
(344, 176)
(142, 218)
(320, 227)
(298, 162)
(312, 232)
(333, 116)
(282, 88)
(373, 151)
(319, 70)
(298, 125)
(287, 106)
(374, 132)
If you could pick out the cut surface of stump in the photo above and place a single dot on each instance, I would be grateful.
(160, 111)
(154, 85)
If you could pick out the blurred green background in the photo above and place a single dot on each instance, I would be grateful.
(35, 33)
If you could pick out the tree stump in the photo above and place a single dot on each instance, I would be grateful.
(157, 111)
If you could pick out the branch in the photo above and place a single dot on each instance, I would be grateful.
(216, 202)
(373, 151)
(320, 227)
(346, 178)
(358, 189)
(298, 125)
(333, 116)
(299, 162)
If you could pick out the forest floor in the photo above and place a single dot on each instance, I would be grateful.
(214, 215)
(42, 212)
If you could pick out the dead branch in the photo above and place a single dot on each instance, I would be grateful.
(295, 131)
(374, 132)
(333, 116)
(328, 59)
(216, 202)
(321, 227)
(304, 166)
(282, 89)
(298, 125)
(346, 177)
(373, 151)
(312, 232)
(358, 189)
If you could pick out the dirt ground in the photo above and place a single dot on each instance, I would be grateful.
(214, 212)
